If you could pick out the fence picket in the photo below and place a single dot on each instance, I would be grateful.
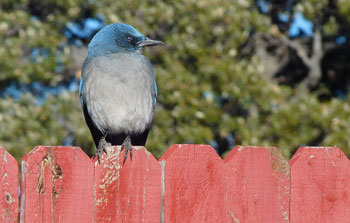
(129, 192)
(258, 185)
(56, 186)
(8, 187)
(194, 182)
(320, 181)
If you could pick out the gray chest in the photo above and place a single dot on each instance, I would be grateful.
(119, 92)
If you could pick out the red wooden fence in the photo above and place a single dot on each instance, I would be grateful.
(190, 183)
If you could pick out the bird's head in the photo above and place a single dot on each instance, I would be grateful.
(119, 38)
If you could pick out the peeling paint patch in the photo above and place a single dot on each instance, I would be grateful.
(8, 198)
(234, 217)
(112, 167)
(5, 156)
(75, 153)
(56, 172)
(137, 147)
(285, 215)
(40, 185)
(3, 178)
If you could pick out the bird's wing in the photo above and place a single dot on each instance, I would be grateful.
(155, 93)
(80, 91)
(154, 90)
(96, 134)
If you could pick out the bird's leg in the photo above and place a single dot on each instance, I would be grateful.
(128, 147)
(102, 144)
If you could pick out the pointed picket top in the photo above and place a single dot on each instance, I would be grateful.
(8, 187)
(56, 185)
(258, 185)
(127, 192)
(320, 185)
(193, 178)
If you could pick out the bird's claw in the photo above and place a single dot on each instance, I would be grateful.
(102, 144)
(128, 147)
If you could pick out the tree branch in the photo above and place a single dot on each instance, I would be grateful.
(299, 49)
(313, 63)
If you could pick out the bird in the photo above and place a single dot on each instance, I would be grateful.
(118, 91)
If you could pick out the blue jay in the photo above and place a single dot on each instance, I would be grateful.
(118, 89)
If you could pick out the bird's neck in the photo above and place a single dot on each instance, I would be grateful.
(106, 50)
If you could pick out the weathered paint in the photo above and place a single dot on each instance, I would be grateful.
(190, 183)
(129, 192)
(257, 185)
(8, 187)
(320, 182)
(57, 185)
(194, 181)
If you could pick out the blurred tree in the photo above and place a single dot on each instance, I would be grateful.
(305, 35)
(230, 72)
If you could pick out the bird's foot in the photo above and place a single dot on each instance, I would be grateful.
(102, 144)
(128, 147)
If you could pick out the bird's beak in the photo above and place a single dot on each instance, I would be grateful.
(149, 42)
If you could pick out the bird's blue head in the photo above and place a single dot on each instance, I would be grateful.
(119, 38)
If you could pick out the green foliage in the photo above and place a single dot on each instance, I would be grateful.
(201, 62)
(21, 34)
(331, 27)
(344, 9)
(312, 9)
(24, 124)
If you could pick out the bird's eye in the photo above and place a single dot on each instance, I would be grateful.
(130, 39)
